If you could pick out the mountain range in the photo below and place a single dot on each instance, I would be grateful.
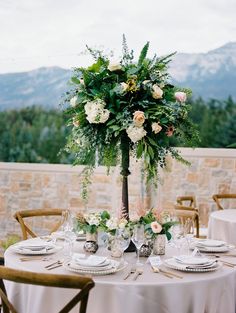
(209, 75)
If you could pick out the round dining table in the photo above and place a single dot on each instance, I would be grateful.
(206, 292)
(222, 226)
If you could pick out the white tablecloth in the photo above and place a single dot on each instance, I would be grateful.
(222, 226)
(213, 292)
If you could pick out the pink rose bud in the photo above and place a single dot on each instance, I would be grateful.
(180, 96)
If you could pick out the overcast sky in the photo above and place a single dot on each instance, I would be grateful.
(35, 33)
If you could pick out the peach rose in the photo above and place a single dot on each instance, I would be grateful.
(156, 227)
(147, 81)
(138, 118)
(124, 86)
(156, 128)
(180, 96)
(170, 131)
(114, 66)
(75, 122)
(157, 92)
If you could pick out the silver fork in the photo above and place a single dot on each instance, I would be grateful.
(26, 259)
(137, 273)
(52, 265)
(131, 271)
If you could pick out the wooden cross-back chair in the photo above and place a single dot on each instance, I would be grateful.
(187, 201)
(84, 284)
(218, 197)
(20, 216)
(187, 212)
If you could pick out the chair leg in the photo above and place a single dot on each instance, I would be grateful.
(197, 227)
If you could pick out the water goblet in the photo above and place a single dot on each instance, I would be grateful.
(138, 239)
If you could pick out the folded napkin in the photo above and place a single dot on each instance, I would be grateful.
(211, 243)
(79, 256)
(92, 260)
(192, 260)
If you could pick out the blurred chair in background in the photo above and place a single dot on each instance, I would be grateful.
(185, 213)
(218, 198)
(189, 201)
(21, 217)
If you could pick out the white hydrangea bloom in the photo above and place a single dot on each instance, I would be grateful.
(112, 223)
(92, 116)
(104, 116)
(74, 101)
(95, 111)
(135, 133)
(122, 223)
(93, 219)
(94, 105)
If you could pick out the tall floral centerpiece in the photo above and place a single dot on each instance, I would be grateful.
(124, 108)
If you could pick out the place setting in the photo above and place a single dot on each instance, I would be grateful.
(35, 246)
(189, 263)
(93, 265)
(211, 245)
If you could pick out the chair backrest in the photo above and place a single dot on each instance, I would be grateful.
(84, 284)
(186, 212)
(20, 216)
(218, 197)
(187, 201)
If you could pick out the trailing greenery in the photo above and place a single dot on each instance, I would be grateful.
(37, 135)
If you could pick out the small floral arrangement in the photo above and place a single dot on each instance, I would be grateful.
(115, 223)
(92, 222)
(156, 222)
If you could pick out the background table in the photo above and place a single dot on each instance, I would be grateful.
(222, 226)
(212, 292)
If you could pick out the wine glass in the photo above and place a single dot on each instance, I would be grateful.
(189, 231)
(67, 228)
(177, 232)
(138, 239)
(123, 235)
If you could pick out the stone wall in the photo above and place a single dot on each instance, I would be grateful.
(211, 171)
(41, 186)
(33, 186)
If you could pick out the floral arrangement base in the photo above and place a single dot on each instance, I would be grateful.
(91, 246)
(159, 245)
(145, 250)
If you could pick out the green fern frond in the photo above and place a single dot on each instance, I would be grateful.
(143, 54)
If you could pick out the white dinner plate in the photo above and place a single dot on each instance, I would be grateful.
(172, 263)
(24, 251)
(220, 249)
